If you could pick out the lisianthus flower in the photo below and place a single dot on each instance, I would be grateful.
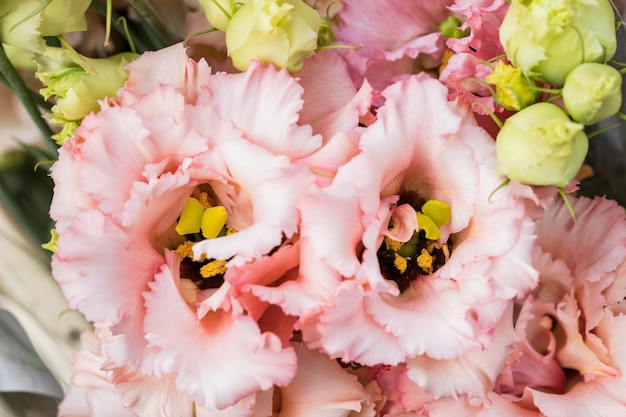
(378, 209)
(165, 199)
(570, 357)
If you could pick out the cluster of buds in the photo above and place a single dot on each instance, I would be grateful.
(560, 48)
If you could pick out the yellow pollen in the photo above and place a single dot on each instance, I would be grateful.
(400, 263)
(184, 250)
(447, 54)
(425, 261)
(206, 201)
(213, 268)
(391, 244)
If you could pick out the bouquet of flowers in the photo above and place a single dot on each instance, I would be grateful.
(361, 208)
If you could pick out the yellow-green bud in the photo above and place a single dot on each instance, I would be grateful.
(514, 91)
(281, 32)
(78, 83)
(23, 23)
(540, 145)
(549, 38)
(219, 12)
(592, 92)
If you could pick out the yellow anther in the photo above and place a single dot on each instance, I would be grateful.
(438, 211)
(425, 261)
(206, 201)
(190, 218)
(391, 244)
(213, 220)
(428, 226)
(400, 263)
(184, 250)
(213, 268)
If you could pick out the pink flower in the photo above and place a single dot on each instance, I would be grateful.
(420, 148)
(573, 323)
(230, 141)
(570, 359)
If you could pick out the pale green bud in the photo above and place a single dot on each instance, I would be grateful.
(592, 92)
(23, 23)
(513, 90)
(78, 83)
(219, 12)
(540, 145)
(281, 32)
(549, 38)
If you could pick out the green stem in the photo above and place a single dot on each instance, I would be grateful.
(16, 83)
(139, 44)
(161, 34)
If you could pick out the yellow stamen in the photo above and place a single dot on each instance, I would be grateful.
(400, 263)
(213, 220)
(428, 226)
(213, 268)
(447, 54)
(425, 261)
(184, 250)
(190, 218)
(438, 211)
(391, 244)
(206, 201)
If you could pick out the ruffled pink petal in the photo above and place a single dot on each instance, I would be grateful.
(575, 354)
(151, 396)
(349, 332)
(472, 374)
(94, 277)
(237, 359)
(600, 231)
(604, 396)
(431, 304)
(321, 388)
(272, 121)
(399, 389)
(329, 114)
(369, 23)
(170, 66)
(91, 394)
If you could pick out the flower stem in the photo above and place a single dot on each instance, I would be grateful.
(160, 34)
(10, 74)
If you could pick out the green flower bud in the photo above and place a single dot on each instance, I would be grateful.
(281, 32)
(78, 83)
(23, 23)
(549, 38)
(219, 12)
(514, 91)
(540, 145)
(592, 92)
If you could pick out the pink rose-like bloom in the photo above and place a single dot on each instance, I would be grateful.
(571, 357)
(175, 131)
(354, 304)
(571, 360)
